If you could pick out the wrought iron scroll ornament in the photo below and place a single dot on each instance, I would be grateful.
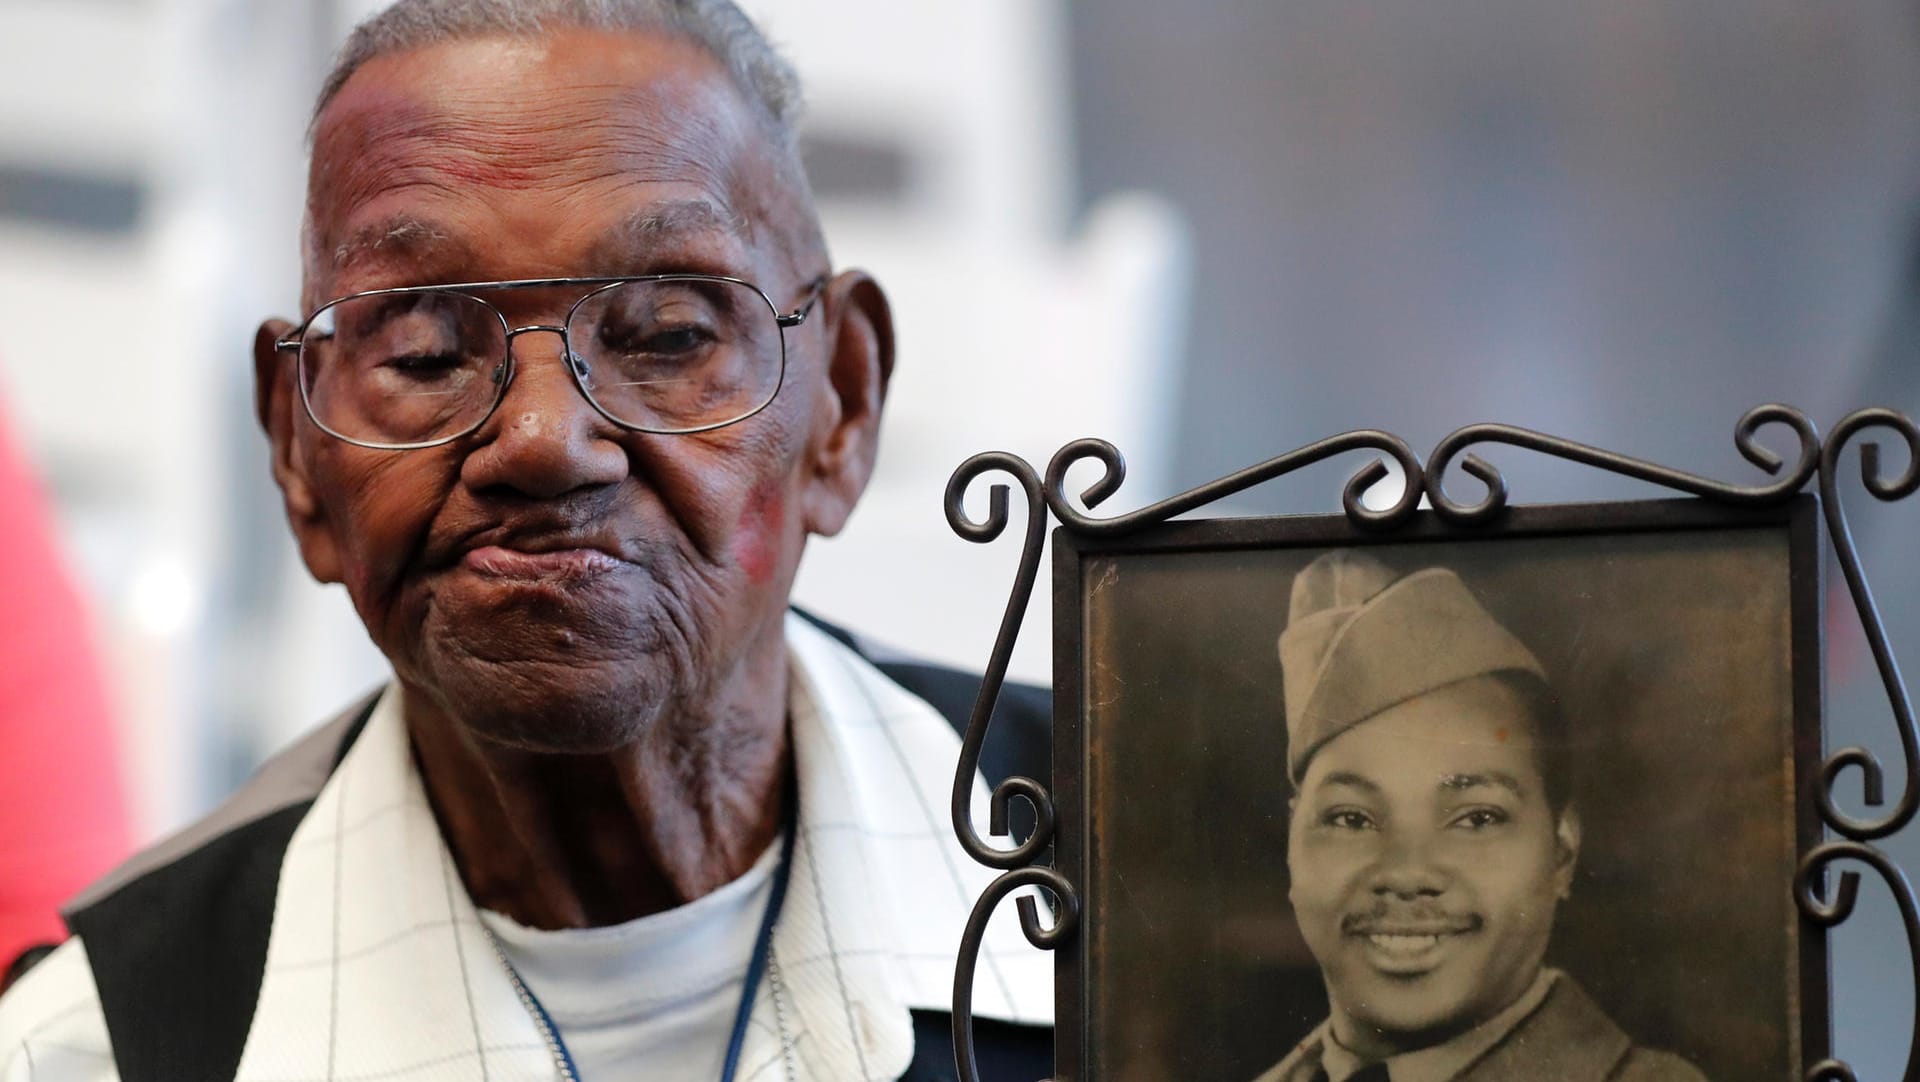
(1018, 863)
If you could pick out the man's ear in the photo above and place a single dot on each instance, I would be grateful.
(1566, 839)
(276, 402)
(1293, 809)
(858, 329)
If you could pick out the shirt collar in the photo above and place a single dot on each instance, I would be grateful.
(881, 889)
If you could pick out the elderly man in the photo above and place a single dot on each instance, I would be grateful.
(575, 384)
(1432, 837)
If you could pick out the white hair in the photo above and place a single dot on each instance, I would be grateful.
(716, 26)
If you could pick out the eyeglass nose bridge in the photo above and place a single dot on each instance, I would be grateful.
(577, 363)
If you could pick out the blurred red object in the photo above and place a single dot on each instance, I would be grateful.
(63, 818)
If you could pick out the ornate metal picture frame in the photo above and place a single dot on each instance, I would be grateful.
(1640, 542)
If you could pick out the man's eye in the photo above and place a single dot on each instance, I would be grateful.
(1347, 819)
(425, 366)
(1481, 818)
(660, 340)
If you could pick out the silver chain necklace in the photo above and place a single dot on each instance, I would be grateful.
(562, 1064)
(777, 991)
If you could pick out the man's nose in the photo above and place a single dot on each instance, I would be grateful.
(1407, 868)
(545, 439)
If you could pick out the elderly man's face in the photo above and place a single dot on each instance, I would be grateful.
(1426, 865)
(666, 560)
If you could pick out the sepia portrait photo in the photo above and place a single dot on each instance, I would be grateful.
(1516, 804)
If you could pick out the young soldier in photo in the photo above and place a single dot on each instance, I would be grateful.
(1432, 838)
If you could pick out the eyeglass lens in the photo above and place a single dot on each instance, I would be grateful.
(662, 356)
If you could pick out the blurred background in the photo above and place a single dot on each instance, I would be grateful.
(1208, 231)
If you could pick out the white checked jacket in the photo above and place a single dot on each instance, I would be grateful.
(377, 969)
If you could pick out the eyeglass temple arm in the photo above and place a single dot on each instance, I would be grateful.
(291, 340)
(799, 315)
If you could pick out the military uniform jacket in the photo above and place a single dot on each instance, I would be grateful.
(1568, 1038)
(315, 929)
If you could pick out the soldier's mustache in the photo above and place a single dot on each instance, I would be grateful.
(1387, 917)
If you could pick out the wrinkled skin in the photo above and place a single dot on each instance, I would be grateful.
(601, 729)
(1426, 866)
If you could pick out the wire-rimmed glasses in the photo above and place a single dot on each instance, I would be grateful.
(419, 366)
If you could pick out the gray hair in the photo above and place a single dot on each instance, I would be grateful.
(716, 26)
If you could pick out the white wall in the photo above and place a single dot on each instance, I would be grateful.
(104, 359)
(1019, 329)
(124, 356)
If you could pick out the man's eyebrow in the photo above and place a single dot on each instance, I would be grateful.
(399, 235)
(1348, 777)
(663, 223)
(1492, 778)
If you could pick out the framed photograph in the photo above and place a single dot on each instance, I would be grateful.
(1517, 801)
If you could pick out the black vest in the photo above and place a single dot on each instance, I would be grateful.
(178, 948)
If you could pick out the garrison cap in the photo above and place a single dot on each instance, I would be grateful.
(1360, 639)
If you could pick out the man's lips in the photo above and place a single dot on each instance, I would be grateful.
(1409, 947)
(546, 565)
(544, 547)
